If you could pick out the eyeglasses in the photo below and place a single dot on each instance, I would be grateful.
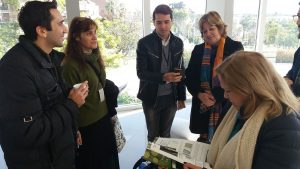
(296, 17)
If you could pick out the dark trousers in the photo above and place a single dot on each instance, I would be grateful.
(159, 117)
(98, 149)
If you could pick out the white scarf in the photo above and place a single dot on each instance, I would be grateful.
(237, 153)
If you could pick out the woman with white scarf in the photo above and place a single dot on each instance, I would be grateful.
(262, 128)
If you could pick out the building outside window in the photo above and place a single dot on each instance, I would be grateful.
(279, 32)
(9, 27)
(120, 28)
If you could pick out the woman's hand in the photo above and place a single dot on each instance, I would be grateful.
(207, 99)
(190, 166)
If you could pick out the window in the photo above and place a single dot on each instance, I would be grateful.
(120, 28)
(244, 28)
(186, 15)
(280, 34)
(9, 27)
(278, 40)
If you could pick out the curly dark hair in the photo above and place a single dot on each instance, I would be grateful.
(34, 14)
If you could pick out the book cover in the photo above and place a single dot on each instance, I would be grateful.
(179, 150)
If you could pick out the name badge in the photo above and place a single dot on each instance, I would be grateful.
(101, 95)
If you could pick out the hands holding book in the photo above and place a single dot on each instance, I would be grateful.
(190, 166)
(173, 152)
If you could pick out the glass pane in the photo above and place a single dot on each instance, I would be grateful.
(186, 14)
(280, 36)
(245, 14)
(9, 27)
(120, 28)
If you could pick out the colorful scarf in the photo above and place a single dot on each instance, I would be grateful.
(208, 77)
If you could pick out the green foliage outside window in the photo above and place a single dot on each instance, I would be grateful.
(281, 33)
(9, 32)
(285, 55)
(125, 98)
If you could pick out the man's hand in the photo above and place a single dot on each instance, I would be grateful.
(172, 77)
(190, 166)
(207, 99)
(79, 94)
(180, 104)
(288, 81)
(78, 138)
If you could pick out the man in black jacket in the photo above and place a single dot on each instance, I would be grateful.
(161, 89)
(293, 75)
(37, 112)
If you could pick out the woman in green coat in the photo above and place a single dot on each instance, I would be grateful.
(84, 62)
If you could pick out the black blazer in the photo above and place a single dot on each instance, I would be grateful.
(199, 122)
(278, 143)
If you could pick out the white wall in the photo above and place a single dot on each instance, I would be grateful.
(72, 8)
(220, 6)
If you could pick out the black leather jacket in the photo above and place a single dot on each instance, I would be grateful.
(37, 120)
(149, 57)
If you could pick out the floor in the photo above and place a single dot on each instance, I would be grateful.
(134, 127)
(2, 162)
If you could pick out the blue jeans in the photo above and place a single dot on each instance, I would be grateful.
(159, 117)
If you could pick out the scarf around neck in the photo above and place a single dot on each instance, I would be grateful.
(209, 78)
(238, 152)
(92, 61)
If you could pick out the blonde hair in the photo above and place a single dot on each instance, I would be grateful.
(213, 18)
(252, 75)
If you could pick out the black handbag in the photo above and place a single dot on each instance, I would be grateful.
(111, 92)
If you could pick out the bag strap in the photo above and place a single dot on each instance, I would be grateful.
(138, 163)
(96, 71)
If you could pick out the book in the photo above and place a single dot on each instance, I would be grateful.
(162, 151)
(157, 158)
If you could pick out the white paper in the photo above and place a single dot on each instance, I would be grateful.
(181, 150)
(101, 95)
(76, 86)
